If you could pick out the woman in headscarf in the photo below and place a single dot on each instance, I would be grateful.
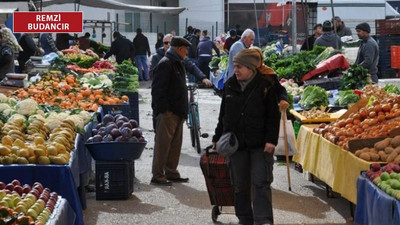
(250, 109)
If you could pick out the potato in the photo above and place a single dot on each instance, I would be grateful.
(392, 156)
(381, 145)
(389, 150)
(365, 156)
(395, 141)
(383, 156)
(397, 159)
(374, 156)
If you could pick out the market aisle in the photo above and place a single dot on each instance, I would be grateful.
(186, 204)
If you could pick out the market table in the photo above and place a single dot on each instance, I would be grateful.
(63, 179)
(375, 206)
(63, 214)
(330, 163)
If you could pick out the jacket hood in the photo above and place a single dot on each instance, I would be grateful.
(327, 36)
(160, 51)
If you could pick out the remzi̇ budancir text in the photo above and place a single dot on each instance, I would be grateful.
(48, 26)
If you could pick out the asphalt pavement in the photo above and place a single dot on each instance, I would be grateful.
(189, 204)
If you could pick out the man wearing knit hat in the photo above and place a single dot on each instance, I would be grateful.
(250, 110)
(368, 53)
(328, 38)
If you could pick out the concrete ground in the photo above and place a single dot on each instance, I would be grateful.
(186, 204)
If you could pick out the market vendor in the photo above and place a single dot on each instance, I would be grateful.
(6, 58)
(122, 48)
(48, 44)
(368, 53)
(29, 49)
(328, 38)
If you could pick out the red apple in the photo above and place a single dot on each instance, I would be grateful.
(375, 167)
(10, 187)
(16, 182)
(50, 207)
(35, 192)
(18, 189)
(7, 191)
(26, 189)
(2, 185)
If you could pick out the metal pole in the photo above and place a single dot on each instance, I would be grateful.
(216, 29)
(258, 30)
(165, 27)
(151, 18)
(305, 21)
(334, 23)
(186, 25)
(227, 3)
(212, 29)
(157, 29)
(294, 27)
(266, 16)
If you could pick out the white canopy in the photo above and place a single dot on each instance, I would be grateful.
(114, 4)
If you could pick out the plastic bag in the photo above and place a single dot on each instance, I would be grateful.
(291, 139)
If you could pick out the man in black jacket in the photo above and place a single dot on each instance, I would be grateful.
(309, 42)
(368, 53)
(142, 48)
(121, 47)
(170, 105)
(29, 49)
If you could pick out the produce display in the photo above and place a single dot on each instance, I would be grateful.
(117, 128)
(26, 205)
(386, 178)
(346, 97)
(223, 63)
(214, 62)
(374, 120)
(67, 92)
(314, 96)
(383, 151)
(354, 78)
(292, 87)
(314, 113)
(390, 88)
(126, 78)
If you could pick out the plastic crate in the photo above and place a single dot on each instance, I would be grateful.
(116, 150)
(114, 180)
(395, 57)
(387, 26)
(326, 83)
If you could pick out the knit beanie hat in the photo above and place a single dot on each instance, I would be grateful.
(253, 59)
(364, 26)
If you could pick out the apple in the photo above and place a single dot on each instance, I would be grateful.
(54, 194)
(32, 213)
(47, 190)
(35, 192)
(16, 182)
(38, 184)
(375, 167)
(2, 194)
(26, 189)
(18, 189)
(10, 187)
(44, 198)
(7, 191)
(2, 185)
(21, 208)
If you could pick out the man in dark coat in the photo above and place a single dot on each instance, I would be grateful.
(341, 28)
(122, 48)
(309, 42)
(233, 37)
(204, 51)
(328, 38)
(170, 105)
(29, 49)
(6, 58)
(142, 49)
(368, 53)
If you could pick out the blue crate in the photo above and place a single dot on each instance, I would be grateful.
(116, 150)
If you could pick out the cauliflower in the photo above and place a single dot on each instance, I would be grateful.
(4, 106)
(40, 112)
(78, 120)
(8, 112)
(107, 82)
(103, 77)
(26, 107)
(85, 115)
(88, 75)
(52, 123)
(3, 97)
(12, 101)
(17, 117)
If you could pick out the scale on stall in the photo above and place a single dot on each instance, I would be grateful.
(15, 80)
(34, 66)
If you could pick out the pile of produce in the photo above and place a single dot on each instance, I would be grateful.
(26, 205)
(386, 178)
(66, 92)
(313, 96)
(292, 87)
(315, 113)
(296, 66)
(126, 78)
(90, 80)
(117, 128)
(383, 151)
(354, 78)
(214, 62)
(223, 63)
(376, 120)
(346, 97)
(390, 88)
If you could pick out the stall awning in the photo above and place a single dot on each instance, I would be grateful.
(114, 4)
(7, 11)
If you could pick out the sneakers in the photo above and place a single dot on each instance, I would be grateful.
(161, 182)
